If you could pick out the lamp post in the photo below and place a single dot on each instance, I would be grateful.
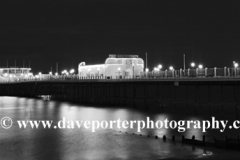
(147, 72)
(159, 66)
(50, 75)
(192, 64)
(72, 71)
(200, 66)
(159, 69)
(40, 73)
(235, 67)
(172, 69)
(119, 69)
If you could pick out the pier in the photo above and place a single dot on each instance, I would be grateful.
(194, 95)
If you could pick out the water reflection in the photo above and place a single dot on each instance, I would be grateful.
(81, 143)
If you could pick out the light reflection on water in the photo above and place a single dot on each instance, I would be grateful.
(65, 144)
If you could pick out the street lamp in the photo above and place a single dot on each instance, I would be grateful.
(158, 69)
(200, 66)
(235, 67)
(50, 75)
(172, 69)
(72, 71)
(146, 70)
(40, 73)
(119, 69)
(159, 66)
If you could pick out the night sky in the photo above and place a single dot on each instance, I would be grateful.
(72, 31)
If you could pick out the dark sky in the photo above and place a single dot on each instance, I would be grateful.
(72, 31)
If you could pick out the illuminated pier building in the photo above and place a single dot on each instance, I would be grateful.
(116, 66)
(14, 73)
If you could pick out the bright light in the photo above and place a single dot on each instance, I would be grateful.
(10, 76)
(40, 73)
(98, 69)
(50, 73)
(56, 74)
(192, 64)
(147, 69)
(72, 71)
(64, 71)
(171, 67)
(200, 66)
(67, 73)
(160, 66)
(235, 65)
(155, 68)
(5, 74)
(119, 69)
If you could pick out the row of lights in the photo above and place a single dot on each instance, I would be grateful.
(67, 73)
(159, 67)
(200, 66)
(56, 74)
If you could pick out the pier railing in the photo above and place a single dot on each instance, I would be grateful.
(206, 73)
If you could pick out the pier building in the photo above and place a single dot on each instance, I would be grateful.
(14, 73)
(115, 66)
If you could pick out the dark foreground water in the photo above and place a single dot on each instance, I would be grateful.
(81, 143)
